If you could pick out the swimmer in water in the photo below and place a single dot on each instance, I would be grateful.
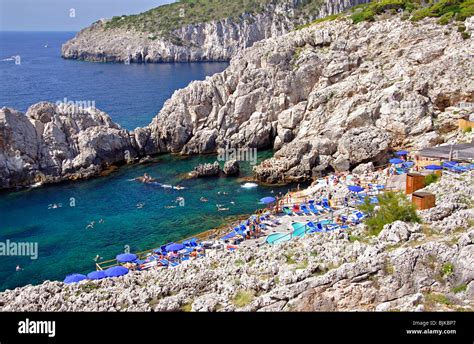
(97, 258)
(232, 202)
(203, 199)
(146, 177)
(101, 221)
(90, 225)
(140, 205)
(18, 268)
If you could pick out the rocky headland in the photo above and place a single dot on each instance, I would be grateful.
(327, 97)
(205, 31)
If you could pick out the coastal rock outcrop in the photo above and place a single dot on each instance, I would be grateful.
(52, 143)
(327, 97)
(206, 170)
(195, 39)
(231, 167)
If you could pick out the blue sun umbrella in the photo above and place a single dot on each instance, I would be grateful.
(395, 161)
(174, 247)
(433, 167)
(126, 257)
(402, 152)
(116, 271)
(355, 188)
(96, 275)
(74, 278)
(267, 200)
(449, 164)
(229, 236)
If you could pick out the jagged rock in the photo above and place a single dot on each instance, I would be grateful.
(54, 143)
(364, 168)
(206, 170)
(327, 96)
(206, 303)
(398, 232)
(363, 144)
(464, 267)
(231, 167)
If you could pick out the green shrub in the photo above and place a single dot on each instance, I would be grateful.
(447, 269)
(392, 207)
(431, 178)
(461, 9)
(459, 288)
(445, 18)
(468, 129)
(435, 298)
(165, 19)
(242, 298)
(187, 307)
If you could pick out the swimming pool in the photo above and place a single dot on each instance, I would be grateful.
(299, 230)
(277, 238)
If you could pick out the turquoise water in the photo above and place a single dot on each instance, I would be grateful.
(299, 229)
(277, 238)
(131, 95)
(66, 246)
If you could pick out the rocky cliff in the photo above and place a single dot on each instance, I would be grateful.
(407, 267)
(194, 39)
(53, 143)
(327, 97)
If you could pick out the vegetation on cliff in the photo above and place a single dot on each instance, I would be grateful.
(391, 207)
(166, 18)
(415, 10)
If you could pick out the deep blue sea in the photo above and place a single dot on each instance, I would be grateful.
(132, 95)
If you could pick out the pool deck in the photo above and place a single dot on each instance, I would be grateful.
(285, 226)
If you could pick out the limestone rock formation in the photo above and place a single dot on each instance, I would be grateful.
(206, 170)
(215, 40)
(328, 97)
(51, 143)
(231, 167)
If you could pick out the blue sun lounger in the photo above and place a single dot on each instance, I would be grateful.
(326, 204)
(313, 209)
(313, 227)
(304, 209)
(321, 207)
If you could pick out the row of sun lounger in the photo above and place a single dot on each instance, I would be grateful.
(311, 208)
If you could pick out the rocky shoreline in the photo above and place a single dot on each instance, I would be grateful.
(326, 98)
(218, 40)
(407, 267)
